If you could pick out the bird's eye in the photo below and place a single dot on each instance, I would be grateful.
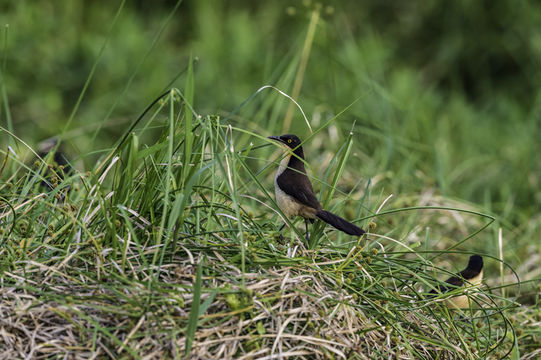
(289, 141)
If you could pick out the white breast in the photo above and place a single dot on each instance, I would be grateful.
(289, 206)
(283, 165)
(463, 301)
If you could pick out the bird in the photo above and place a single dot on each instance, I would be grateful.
(294, 193)
(59, 163)
(471, 276)
(47, 146)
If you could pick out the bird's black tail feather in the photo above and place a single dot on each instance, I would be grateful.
(339, 223)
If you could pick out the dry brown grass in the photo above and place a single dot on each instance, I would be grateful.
(295, 311)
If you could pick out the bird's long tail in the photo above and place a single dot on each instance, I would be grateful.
(339, 223)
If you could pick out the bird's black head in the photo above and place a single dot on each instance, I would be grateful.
(475, 263)
(291, 141)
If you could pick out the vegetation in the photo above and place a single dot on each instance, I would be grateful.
(160, 237)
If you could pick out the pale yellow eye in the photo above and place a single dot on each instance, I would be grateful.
(289, 141)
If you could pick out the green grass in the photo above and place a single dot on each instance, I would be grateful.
(112, 265)
(163, 239)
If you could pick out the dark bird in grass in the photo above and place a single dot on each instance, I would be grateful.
(58, 163)
(294, 193)
(471, 276)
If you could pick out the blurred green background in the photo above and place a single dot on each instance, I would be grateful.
(445, 95)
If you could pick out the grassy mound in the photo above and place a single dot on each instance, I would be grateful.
(172, 247)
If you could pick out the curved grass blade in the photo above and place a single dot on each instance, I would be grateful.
(194, 310)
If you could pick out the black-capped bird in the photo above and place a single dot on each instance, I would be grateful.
(59, 163)
(294, 193)
(471, 276)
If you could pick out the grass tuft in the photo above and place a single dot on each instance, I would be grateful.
(111, 265)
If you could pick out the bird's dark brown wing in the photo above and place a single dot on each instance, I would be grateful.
(467, 274)
(456, 281)
(297, 185)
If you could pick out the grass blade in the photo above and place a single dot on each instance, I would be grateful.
(194, 310)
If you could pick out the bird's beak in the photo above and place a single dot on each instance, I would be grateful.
(277, 138)
(281, 143)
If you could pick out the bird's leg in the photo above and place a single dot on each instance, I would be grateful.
(307, 233)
